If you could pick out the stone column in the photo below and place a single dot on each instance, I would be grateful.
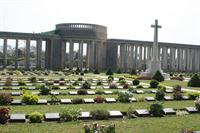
(136, 57)
(184, 59)
(27, 65)
(48, 53)
(172, 52)
(148, 53)
(63, 55)
(144, 63)
(91, 55)
(165, 58)
(121, 57)
(16, 54)
(131, 57)
(5, 53)
(140, 57)
(71, 54)
(196, 60)
(39, 54)
(125, 57)
(87, 56)
(80, 60)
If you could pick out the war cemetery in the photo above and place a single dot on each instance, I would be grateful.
(106, 86)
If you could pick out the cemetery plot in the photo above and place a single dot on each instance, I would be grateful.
(191, 110)
(115, 114)
(169, 111)
(142, 112)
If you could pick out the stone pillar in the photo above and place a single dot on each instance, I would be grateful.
(87, 55)
(125, 57)
(180, 59)
(131, 57)
(148, 53)
(48, 54)
(39, 54)
(80, 60)
(91, 55)
(16, 54)
(184, 59)
(144, 62)
(5, 53)
(165, 58)
(140, 58)
(121, 57)
(27, 65)
(196, 59)
(172, 52)
(63, 55)
(193, 63)
(71, 54)
(136, 57)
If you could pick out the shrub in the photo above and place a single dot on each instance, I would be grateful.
(33, 79)
(8, 81)
(126, 86)
(193, 95)
(109, 72)
(80, 79)
(122, 82)
(197, 104)
(139, 87)
(177, 92)
(82, 92)
(77, 101)
(7, 88)
(86, 85)
(30, 99)
(49, 83)
(99, 91)
(154, 84)
(55, 87)
(62, 79)
(113, 86)
(76, 83)
(177, 78)
(136, 82)
(41, 79)
(121, 78)
(43, 89)
(85, 71)
(143, 78)
(119, 71)
(4, 115)
(124, 97)
(162, 88)
(140, 99)
(133, 72)
(5, 98)
(70, 87)
(99, 99)
(35, 117)
(21, 82)
(110, 78)
(96, 71)
(70, 114)
(159, 95)
(23, 88)
(99, 82)
(156, 110)
(158, 76)
(96, 128)
(131, 89)
(99, 114)
(194, 81)
(62, 83)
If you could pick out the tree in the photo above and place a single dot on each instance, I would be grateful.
(158, 76)
(194, 81)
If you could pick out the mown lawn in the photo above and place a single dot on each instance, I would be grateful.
(169, 124)
(88, 107)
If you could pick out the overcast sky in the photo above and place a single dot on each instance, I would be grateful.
(125, 19)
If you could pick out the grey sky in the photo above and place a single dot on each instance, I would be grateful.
(125, 19)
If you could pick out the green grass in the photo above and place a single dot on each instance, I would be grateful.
(170, 124)
(88, 107)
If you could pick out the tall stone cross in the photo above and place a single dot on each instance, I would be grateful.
(155, 43)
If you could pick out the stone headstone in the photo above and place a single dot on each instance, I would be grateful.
(191, 110)
(150, 99)
(16, 102)
(65, 101)
(139, 91)
(73, 93)
(90, 92)
(115, 114)
(17, 93)
(17, 118)
(168, 98)
(42, 101)
(132, 99)
(169, 91)
(107, 92)
(169, 111)
(85, 115)
(110, 100)
(142, 112)
(52, 116)
(54, 92)
(153, 91)
(88, 100)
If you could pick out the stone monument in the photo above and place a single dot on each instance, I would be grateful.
(154, 64)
